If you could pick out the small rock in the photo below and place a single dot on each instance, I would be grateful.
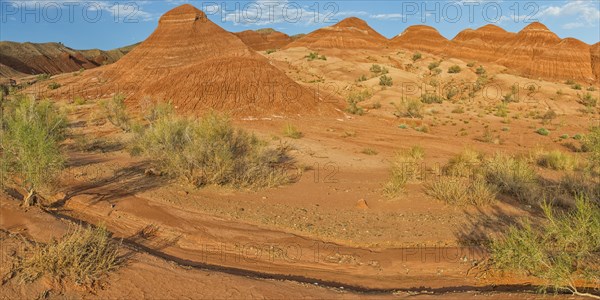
(362, 204)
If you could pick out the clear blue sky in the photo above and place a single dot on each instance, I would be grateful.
(108, 24)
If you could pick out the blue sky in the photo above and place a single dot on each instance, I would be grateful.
(108, 24)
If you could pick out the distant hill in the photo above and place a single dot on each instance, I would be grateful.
(21, 59)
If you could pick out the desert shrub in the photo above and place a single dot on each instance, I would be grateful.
(471, 64)
(362, 78)
(437, 71)
(480, 71)
(375, 69)
(211, 151)
(376, 105)
(512, 176)
(588, 100)
(116, 111)
(83, 255)
(543, 131)
(385, 80)
(461, 191)
(315, 55)
(79, 101)
(591, 144)
(353, 100)
(562, 251)
(465, 164)
(570, 81)
(416, 56)
(269, 51)
(549, 116)
(557, 160)
(369, 151)
(42, 77)
(458, 110)
(405, 167)
(54, 85)
(502, 110)
(431, 98)
(433, 65)
(454, 69)
(32, 132)
(451, 92)
(409, 108)
(291, 131)
(576, 86)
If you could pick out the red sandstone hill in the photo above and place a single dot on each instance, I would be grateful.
(480, 44)
(350, 33)
(421, 37)
(537, 52)
(199, 66)
(264, 39)
(19, 59)
(534, 52)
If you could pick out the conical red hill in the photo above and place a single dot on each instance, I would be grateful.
(537, 52)
(480, 44)
(422, 38)
(350, 33)
(199, 66)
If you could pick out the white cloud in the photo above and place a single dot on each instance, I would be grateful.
(387, 16)
(584, 13)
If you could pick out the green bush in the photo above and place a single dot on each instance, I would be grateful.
(454, 69)
(211, 151)
(409, 108)
(588, 100)
(543, 131)
(557, 160)
(591, 144)
(405, 168)
(562, 251)
(32, 132)
(116, 112)
(433, 65)
(362, 78)
(83, 255)
(291, 131)
(461, 191)
(512, 176)
(576, 86)
(385, 80)
(353, 100)
(42, 77)
(480, 71)
(431, 98)
(315, 55)
(377, 69)
(54, 85)
(416, 56)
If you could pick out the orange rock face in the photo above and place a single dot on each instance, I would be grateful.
(264, 39)
(481, 44)
(595, 55)
(199, 66)
(537, 52)
(421, 37)
(350, 33)
(534, 52)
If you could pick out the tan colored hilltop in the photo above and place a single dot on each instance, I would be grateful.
(264, 39)
(350, 33)
(481, 43)
(421, 37)
(199, 66)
